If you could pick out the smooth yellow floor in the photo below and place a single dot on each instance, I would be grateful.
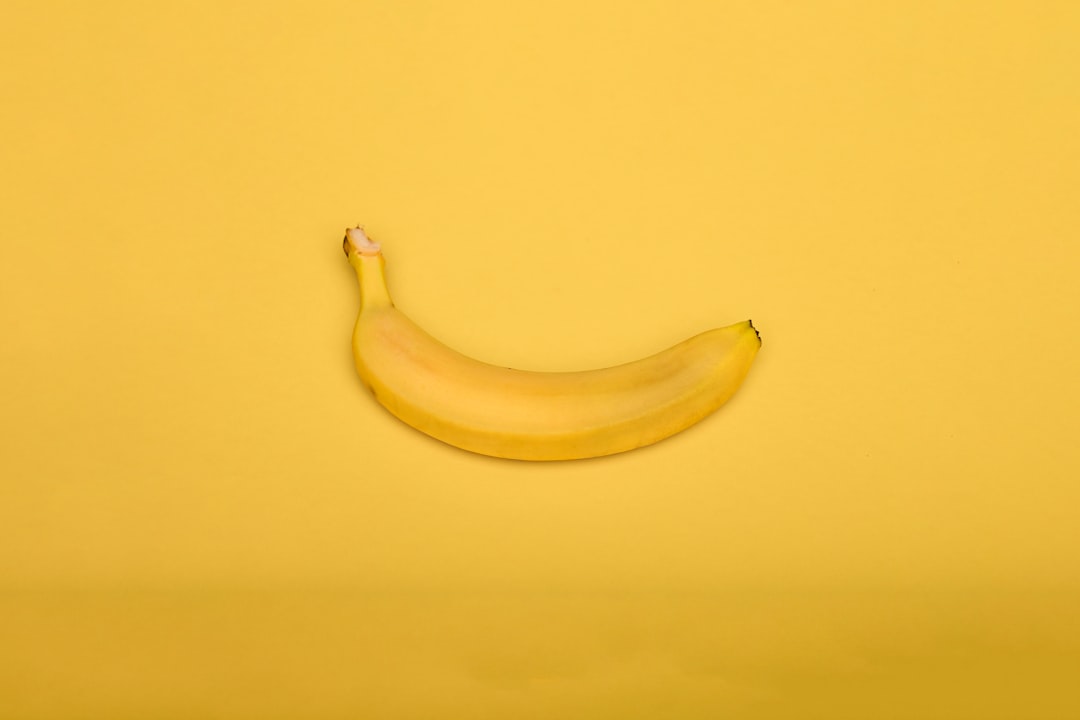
(204, 515)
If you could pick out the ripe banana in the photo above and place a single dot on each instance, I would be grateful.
(535, 415)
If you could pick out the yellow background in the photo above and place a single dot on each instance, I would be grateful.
(203, 514)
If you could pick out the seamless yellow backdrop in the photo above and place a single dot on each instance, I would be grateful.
(203, 514)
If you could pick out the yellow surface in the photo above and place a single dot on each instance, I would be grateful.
(202, 514)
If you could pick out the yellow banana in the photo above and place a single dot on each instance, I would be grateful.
(535, 415)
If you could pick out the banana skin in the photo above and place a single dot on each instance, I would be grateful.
(525, 415)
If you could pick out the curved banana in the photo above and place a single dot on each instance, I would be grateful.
(535, 415)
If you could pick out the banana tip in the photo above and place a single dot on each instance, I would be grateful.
(751, 324)
(356, 239)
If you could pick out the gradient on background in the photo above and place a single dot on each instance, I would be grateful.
(203, 514)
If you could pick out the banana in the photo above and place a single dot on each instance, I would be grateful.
(529, 415)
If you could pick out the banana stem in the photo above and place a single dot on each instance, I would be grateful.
(361, 242)
(366, 258)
